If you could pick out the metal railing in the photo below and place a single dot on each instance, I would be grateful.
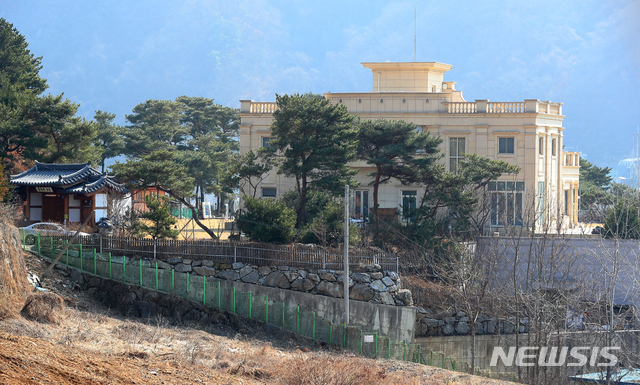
(260, 254)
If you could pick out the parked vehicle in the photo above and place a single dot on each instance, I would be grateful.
(29, 234)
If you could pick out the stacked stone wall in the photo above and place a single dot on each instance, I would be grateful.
(370, 285)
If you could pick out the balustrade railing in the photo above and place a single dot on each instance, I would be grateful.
(505, 107)
(461, 107)
(263, 108)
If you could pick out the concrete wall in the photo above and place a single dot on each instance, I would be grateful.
(396, 322)
(459, 347)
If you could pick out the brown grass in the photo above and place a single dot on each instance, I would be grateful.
(44, 307)
(324, 369)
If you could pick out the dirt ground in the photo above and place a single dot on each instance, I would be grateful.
(93, 345)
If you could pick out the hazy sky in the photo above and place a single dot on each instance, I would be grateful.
(111, 55)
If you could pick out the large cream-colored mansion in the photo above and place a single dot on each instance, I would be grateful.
(528, 133)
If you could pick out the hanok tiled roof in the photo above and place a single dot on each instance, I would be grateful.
(95, 183)
(79, 178)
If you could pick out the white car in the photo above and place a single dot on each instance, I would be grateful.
(29, 234)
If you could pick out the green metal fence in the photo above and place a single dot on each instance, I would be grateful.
(208, 291)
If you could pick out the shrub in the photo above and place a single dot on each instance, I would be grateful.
(156, 222)
(45, 307)
(623, 221)
(266, 220)
(327, 228)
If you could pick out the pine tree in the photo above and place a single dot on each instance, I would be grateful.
(315, 140)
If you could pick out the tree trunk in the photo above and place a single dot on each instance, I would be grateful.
(302, 197)
(376, 185)
(472, 325)
(193, 211)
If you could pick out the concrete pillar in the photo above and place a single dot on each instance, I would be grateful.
(481, 106)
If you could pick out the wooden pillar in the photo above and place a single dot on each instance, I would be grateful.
(27, 205)
(66, 209)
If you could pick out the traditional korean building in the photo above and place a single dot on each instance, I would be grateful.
(65, 192)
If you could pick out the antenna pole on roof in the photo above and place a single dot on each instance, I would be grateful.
(415, 30)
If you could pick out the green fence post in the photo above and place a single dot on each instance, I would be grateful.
(188, 283)
(204, 291)
(219, 297)
(330, 331)
(376, 342)
(234, 300)
(298, 320)
(283, 318)
(95, 263)
(313, 334)
(173, 272)
(51, 239)
(81, 262)
(38, 235)
(454, 365)
(156, 276)
(405, 350)
(419, 354)
(389, 349)
(442, 360)
(67, 254)
(110, 276)
(249, 305)
(140, 264)
(431, 360)
(24, 241)
(344, 334)
(124, 269)
(266, 307)
(361, 338)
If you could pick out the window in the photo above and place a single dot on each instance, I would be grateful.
(456, 149)
(268, 192)
(506, 203)
(265, 141)
(409, 206)
(553, 147)
(505, 145)
(361, 204)
(540, 208)
(541, 146)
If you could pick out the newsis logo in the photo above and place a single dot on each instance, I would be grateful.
(550, 356)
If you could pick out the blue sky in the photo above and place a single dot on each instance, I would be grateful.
(112, 55)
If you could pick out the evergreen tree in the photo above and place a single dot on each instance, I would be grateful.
(109, 138)
(182, 147)
(314, 140)
(35, 127)
(157, 222)
(396, 150)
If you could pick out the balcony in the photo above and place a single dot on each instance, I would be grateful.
(487, 107)
(417, 103)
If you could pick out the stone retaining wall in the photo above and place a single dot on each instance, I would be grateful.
(450, 323)
(372, 285)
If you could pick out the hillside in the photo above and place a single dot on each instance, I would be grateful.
(90, 344)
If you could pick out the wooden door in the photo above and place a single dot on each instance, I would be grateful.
(52, 208)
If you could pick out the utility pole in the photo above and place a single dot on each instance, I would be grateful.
(346, 255)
